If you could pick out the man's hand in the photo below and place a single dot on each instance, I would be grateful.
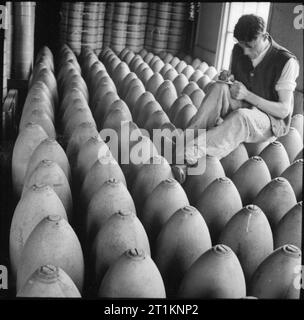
(226, 75)
(238, 91)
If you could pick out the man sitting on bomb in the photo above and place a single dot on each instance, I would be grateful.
(255, 107)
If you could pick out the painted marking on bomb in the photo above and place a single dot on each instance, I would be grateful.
(248, 222)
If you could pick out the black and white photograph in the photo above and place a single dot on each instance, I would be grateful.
(151, 154)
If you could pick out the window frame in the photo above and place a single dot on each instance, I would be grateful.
(223, 31)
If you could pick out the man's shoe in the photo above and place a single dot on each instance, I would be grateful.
(179, 173)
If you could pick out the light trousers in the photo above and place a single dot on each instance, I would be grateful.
(229, 122)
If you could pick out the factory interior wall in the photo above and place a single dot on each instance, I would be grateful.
(281, 27)
(208, 31)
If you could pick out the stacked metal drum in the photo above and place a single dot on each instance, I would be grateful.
(7, 57)
(24, 25)
(136, 26)
(161, 27)
(151, 19)
(74, 27)
(82, 24)
(90, 24)
(108, 24)
(166, 27)
(119, 26)
(100, 26)
(64, 18)
(178, 23)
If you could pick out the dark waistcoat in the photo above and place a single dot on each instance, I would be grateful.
(262, 79)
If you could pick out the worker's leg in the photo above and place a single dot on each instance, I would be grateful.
(216, 105)
(241, 125)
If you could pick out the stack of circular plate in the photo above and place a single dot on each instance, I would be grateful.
(64, 21)
(8, 42)
(74, 31)
(100, 33)
(24, 24)
(4, 75)
(177, 27)
(7, 48)
(136, 26)
(160, 34)
(90, 24)
(108, 24)
(150, 26)
(119, 26)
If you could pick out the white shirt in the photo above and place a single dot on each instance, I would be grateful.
(289, 75)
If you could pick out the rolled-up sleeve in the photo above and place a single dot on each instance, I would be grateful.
(289, 75)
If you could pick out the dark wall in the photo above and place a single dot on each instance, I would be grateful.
(47, 24)
(281, 27)
(207, 31)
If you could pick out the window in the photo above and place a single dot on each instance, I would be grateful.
(232, 11)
